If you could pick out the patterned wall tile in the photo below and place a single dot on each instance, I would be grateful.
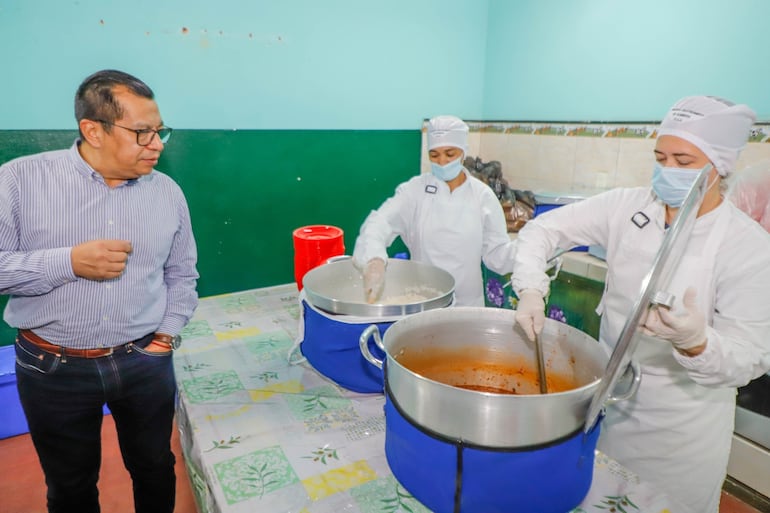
(556, 160)
(635, 163)
(596, 162)
(581, 158)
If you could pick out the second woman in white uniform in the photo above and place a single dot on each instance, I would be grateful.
(676, 431)
(446, 218)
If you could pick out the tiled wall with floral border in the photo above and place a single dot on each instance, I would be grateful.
(580, 158)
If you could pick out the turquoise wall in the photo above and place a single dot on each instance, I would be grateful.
(610, 60)
(362, 64)
(299, 112)
(253, 64)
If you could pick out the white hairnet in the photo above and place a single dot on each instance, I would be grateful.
(717, 127)
(447, 131)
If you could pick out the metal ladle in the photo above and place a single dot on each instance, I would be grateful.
(540, 365)
(554, 261)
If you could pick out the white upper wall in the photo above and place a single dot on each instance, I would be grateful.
(621, 60)
(367, 64)
(227, 64)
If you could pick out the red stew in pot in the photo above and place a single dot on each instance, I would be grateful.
(484, 370)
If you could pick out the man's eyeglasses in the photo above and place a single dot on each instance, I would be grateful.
(144, 136)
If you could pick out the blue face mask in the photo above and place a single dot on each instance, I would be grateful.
(671, 184)
(447, 172)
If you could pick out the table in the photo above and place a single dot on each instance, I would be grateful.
(262, 434)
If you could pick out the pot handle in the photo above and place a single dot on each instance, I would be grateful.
(636, 378)
(363, 344)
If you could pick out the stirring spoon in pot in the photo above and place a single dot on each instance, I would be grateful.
(540, 365)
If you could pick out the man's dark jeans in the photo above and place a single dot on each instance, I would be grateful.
(62, 399)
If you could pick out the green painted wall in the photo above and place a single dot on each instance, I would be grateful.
(249, 189)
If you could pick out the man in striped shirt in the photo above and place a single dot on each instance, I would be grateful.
(98, 257)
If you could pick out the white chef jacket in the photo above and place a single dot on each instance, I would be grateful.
(454, 231)
(676, 431)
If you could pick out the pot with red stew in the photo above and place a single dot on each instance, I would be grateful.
(467, 429)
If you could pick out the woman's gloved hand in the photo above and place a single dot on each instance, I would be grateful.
(686, 330)
(530, 312)
(374, 279)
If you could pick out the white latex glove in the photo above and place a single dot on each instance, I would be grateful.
(530, 312)
(374, 279)
(686, 330)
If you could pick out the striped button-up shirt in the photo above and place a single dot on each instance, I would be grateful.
(52, 201)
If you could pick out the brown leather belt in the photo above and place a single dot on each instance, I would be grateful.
(68, 351)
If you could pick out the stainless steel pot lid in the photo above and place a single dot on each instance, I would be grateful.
(652, 290)
(410, 286)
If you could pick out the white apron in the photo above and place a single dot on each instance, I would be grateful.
(451, 238)
(652, 434)
(454, 231)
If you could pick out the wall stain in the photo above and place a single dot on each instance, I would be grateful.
(204, 33)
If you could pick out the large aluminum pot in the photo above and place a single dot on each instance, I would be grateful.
(410, 286)
(519, 420)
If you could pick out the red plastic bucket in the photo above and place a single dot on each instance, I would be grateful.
(313, 245)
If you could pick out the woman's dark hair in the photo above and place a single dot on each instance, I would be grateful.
(95, 100)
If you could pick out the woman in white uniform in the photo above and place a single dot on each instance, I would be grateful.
(676, 431)
(446, 218)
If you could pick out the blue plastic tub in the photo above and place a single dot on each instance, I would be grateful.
(12, 420)
(449, 476)
(331, 346)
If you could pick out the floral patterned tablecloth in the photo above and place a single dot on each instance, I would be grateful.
(260, 434)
